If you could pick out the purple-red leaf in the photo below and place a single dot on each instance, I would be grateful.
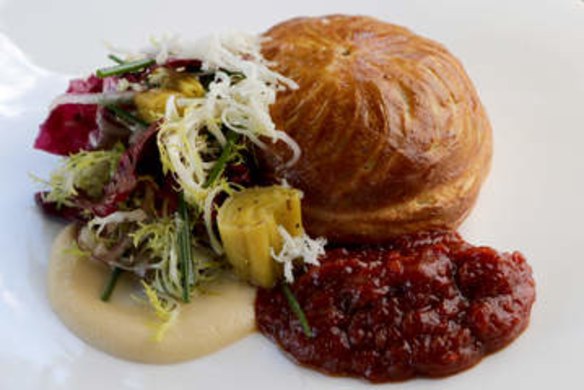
(70, 127)
(140, 158)
(92, 84)
(51, 209)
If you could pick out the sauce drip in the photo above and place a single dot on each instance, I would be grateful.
(427, 304)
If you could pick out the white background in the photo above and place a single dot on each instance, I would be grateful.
(526, 58)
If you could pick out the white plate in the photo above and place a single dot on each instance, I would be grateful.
(527, 60)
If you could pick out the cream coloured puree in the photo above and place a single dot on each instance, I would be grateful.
(124, 326)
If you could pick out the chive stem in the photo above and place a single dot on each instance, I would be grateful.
(184, 248)
(116, 59)
(297, 310)
(126, 116)
(223, 159)
(124, 68)
(111, 284)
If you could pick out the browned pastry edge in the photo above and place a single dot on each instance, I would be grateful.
(443, 208)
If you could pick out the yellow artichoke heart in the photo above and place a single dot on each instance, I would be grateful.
(186, 84)
(151, 104)
(248, 224)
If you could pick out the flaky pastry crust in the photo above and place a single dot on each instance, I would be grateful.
(393, 135)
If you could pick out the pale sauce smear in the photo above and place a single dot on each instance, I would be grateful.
(124, 326)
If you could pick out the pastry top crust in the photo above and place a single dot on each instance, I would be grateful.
(393, 135)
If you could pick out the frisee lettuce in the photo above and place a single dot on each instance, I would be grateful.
(158, 240)
(87, 172)
(166, 310)
(195, 131)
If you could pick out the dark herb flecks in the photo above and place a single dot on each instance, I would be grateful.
(184, 247)
(126, 116)
(126, 67)
(111, 284)
(116, 59)
(223, 159)
(297, 310)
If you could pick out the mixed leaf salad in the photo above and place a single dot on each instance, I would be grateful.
(154, 145)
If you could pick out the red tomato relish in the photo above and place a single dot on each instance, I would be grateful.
(427, 304)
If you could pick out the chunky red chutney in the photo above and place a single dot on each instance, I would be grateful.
(428, 304)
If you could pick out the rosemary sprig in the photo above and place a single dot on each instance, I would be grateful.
(125, 67)
(223, 159)
(126, 116)
(111, 284)
(184, 247)
(297, 310)
(115, 58)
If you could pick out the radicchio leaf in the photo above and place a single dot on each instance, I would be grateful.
(140, 158)
(186, 64)
(92, 84)
(70, 127)
(54, 210)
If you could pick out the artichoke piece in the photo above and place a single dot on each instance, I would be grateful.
(188, 85)
(248, 224)
(151, 104)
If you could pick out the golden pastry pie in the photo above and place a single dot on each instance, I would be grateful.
(393, 135)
